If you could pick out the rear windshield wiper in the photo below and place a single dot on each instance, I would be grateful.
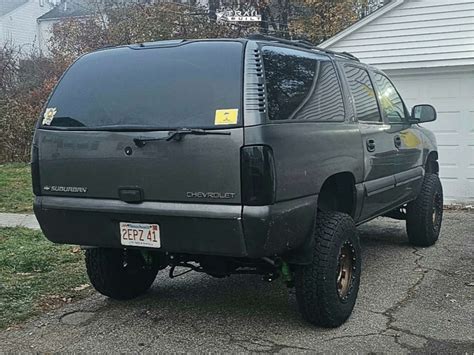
(177, 135)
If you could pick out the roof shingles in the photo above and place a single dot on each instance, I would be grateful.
(69, 8)
(7, 6)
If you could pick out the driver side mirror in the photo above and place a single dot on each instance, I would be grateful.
(423, 113)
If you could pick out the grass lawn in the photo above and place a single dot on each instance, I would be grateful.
(15, 188)
(36, 275)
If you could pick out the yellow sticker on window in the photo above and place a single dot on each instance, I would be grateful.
(226, 116)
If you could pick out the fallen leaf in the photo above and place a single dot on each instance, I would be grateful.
(81, 287)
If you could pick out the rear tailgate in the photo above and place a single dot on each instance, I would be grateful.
(100, 164)
(111, 97)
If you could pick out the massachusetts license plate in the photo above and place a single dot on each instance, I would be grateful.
(140, 235)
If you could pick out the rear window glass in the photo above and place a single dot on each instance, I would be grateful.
(166, 87)
(301, 86)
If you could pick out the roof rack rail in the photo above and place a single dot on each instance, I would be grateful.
(301, 43)
(347, 54)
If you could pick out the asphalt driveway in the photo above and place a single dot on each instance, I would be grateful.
(411, 300)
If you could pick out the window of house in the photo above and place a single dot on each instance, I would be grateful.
(390, 102)
(363, 94)
(301, 85)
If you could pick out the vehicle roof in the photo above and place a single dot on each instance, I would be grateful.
(261, 39)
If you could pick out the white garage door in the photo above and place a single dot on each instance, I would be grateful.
(451, 92)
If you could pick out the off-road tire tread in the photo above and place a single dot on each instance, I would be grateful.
(106, 277)
(419, 213)
(317, 301)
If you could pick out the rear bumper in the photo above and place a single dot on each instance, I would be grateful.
(209, 229)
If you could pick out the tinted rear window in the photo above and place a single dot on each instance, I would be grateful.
(301, 86)
(167, 87)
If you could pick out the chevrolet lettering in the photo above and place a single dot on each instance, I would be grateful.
(218, 195)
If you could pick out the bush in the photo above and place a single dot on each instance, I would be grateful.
(19, 112)
(25, 82)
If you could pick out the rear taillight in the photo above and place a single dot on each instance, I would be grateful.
(258, 175)
(35, 170)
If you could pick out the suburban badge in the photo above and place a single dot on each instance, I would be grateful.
(73, 189)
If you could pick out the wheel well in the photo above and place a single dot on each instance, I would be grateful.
(338, 194)
(432, 166)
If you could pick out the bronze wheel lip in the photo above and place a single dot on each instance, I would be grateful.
(345, 270)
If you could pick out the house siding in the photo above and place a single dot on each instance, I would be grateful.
(45, 28)
(415, 34)
(20, 26)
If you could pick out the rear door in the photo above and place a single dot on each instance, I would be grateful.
(108, 99)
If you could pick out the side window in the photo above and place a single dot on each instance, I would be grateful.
(325, 102)
(363, 94)
(301, 85)
(390, 101)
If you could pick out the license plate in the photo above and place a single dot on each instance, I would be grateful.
(140, 235)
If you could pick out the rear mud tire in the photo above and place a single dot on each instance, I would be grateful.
(318, 288)
(120, 274)
(425, 214)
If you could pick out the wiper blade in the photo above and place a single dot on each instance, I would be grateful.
(177, 135)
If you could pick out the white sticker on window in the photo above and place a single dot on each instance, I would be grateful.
(49, 115)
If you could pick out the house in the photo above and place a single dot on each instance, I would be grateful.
(18, 22)
(427, 48)
(66, 9)
(28, 23)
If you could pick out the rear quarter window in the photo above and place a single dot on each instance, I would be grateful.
(301, 86)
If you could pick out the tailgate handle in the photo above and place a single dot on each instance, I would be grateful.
(131, 194)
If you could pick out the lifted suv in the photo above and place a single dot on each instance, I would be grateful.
(225, 156)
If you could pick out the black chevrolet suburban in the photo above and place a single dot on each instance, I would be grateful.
(227, 156)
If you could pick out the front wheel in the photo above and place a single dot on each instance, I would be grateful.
(424, 215)
(326, 289)
(120, 273)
